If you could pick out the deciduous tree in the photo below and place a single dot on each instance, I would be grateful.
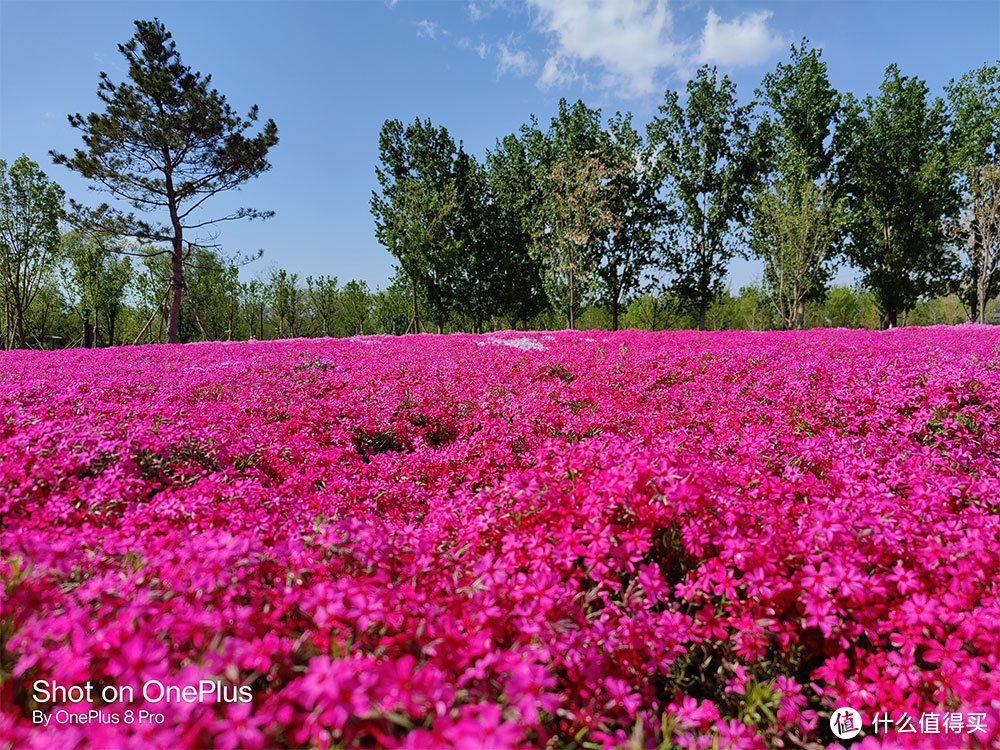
(637, 218)
(100, 278)
(706, 159)
(974, 105)
(896, 171)
(797, 210)
(511, 191)
(413, 210)
(30, 205)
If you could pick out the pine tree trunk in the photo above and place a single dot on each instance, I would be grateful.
(177, 278)
(177, 287)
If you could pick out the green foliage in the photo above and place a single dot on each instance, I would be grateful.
(638, 219)
(390, 308)
(30, 205)
(844, 307)
(99, 278)
(478, 228)
(324, 299)
(214, 293)
(798, 212)
(356, 308)
(49, 319)
(414, 211)
(165, 144)
(510, 198)
(570, 199)
(974, 104)
(896, 170)
(795, 227)
(577, 213)
(706, 158)
(287, 299)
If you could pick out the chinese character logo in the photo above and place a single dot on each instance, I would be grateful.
(845, 723)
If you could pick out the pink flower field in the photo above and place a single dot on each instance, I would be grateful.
(567, 540)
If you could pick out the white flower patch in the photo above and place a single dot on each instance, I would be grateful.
(522, 342)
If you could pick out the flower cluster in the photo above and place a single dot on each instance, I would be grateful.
(563, 540)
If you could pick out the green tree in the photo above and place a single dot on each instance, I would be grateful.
(797, 212)
(896, 171)
(286, 303)
(976, 231)
(165, 144)
(796, 224)
(213, 290)
(391, 307)
(356, 307)
(414, 209)
(571, 201)
(253, 301)
(324, 301)
(479, 240)
(844, 307)
(636, 217)
(974, 105)
(510, 194)
(213, 286)
(100, 279)
(577, 214)
(30, 205)
(706, 159)
(49, 318)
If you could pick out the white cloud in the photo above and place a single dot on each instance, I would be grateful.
(558, 71)
(482, 50)
(475, 12)
(513, 59)
(738, 43)
(629, 39)
(429, 29)
(632, 46)
(50, 116)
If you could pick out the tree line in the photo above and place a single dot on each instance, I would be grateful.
(900, 185)
(584, 221)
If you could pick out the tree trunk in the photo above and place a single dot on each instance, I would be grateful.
(416, 312)
(701, 316)
(177, 287)
(981, 292)
(572, 318)
(800, 314)
(21, 340)
(891, 317)
(614, 316)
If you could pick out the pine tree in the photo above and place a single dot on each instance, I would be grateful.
(165, 144)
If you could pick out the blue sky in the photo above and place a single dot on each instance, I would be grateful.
(329, 73)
